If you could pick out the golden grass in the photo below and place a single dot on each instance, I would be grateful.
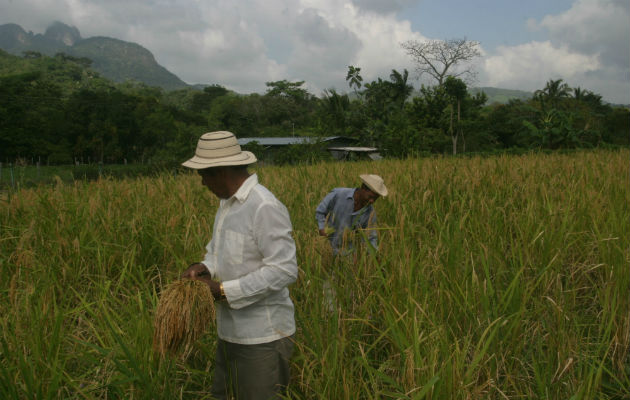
(184, 313)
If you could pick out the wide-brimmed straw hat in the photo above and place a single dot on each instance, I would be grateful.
(375, 183)
(219, 149)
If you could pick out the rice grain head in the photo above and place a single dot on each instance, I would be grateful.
(184, 313)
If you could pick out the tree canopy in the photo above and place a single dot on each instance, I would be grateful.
(57, 110)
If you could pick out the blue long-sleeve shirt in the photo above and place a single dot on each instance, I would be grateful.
(337, 210)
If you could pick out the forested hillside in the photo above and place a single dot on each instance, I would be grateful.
(58, 110)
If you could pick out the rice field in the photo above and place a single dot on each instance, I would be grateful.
(500, 277)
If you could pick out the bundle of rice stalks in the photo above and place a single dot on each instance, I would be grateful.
(184, 313)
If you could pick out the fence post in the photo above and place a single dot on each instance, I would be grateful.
(12, 180)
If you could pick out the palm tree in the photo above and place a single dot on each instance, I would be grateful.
(579, 93)
(354, 78)
(336, 107)
(401, 90)
(554, 91)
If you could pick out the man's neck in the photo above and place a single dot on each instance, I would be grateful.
(235, 182)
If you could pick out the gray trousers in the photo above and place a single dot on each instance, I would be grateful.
(252, 371)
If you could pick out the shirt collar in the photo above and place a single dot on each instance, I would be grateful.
(351, 193)
(243, 191)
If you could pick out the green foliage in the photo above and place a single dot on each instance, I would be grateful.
(354, 78)
(202, 101)
(301, 154)
(58, 110)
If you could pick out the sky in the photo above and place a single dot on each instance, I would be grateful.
(242, 44)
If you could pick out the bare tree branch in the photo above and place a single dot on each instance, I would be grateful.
(440, 58)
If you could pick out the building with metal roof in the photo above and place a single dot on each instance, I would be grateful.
(270, 149)
(354, 153)
(291, 140)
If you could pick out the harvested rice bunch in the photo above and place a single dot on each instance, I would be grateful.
(184, 313)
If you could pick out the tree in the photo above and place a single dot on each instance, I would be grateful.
(287, 106)
(201, 101)
(286, 89)
(401, 90)
(333, 108)
(456, 91)
(552, 93)
(440, 58)
(354, 78)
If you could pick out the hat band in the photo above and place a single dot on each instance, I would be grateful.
(212, 161)
(218, 152)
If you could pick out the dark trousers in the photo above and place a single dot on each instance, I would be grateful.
(252, 371)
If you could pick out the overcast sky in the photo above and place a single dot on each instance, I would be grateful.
(241, 44)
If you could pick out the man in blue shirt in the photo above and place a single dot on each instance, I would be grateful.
(345, 211)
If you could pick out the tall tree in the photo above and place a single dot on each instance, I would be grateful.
(554, 91)
(456, 91)
(440, 58)
(401, 90)
(354, 78)
(334, 108)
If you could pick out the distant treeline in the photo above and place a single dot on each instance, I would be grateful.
(56, 110)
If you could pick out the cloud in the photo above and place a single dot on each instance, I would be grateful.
(593, 27)
(586, 46)
(529, 66)
(383, 6)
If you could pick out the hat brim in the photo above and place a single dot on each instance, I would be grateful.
(366, 179)
(243, 158)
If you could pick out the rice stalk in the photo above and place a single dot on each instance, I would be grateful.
(184, 313)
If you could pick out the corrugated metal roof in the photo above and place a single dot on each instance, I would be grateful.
(354, 149)
(285, 141)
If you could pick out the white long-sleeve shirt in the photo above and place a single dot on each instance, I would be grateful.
(253, 253)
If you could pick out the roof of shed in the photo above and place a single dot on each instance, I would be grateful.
(284, 141)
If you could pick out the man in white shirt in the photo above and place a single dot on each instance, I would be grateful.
(249, 264)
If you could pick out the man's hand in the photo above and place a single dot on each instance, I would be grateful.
(195, 270)
(215, 287)
(322, 232)
(199, 272)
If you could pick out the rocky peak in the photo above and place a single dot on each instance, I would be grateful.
(62, 33)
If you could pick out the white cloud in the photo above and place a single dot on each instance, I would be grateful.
(593, 27)
(587, 47)
(383, 6)
(529, 66)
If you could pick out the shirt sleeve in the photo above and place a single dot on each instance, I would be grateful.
(324, 208)
(272, 232)
(208, 260)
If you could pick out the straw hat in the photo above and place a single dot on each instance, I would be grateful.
(375, 183)
(219, 149)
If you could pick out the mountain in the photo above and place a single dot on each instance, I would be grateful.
(121, 61)
(498, 95)
(114, 59)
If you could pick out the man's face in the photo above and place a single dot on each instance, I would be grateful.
(366, 196)
(213, 179)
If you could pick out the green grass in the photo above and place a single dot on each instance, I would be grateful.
(497, 277)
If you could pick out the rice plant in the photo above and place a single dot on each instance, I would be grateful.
(496, 277)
